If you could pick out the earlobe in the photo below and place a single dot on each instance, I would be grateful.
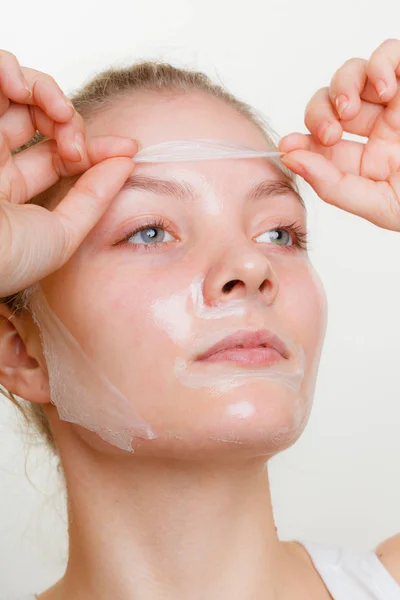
(21, 372)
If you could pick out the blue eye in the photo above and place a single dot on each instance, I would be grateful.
(155, 233)
(150, 235)
(277, 236)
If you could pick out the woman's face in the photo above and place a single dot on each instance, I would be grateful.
(177, 265)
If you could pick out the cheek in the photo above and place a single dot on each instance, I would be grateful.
(303, 300)
(131, 321)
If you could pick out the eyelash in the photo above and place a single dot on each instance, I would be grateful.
(301, 236)
(152, 223)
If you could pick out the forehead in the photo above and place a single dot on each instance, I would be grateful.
(154, 117)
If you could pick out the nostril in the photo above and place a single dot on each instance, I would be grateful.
(265, 284)
(228, 287)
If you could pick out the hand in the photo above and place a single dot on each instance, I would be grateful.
(363, 179)
(35, 241)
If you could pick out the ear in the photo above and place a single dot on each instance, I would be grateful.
(23, 368)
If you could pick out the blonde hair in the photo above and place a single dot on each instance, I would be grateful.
(93, 98)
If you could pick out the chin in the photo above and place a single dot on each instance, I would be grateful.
(257, 419)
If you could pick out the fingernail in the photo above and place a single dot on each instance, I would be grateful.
(381, 87)
(324, 130)
(295, 166)
(139, 145)
(26, 86)
(79, 142)
(342, 103)
(69, 102)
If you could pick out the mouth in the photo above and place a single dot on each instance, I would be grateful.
(247, 348)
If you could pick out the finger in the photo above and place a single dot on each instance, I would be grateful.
(4, 103)
(346, 155)
(12, 81)
(28, 86)
(296, 141)
(362, 79)
(369, 94)
(383, 67)
(321, 119)
(23, 85)
(89, 199)
(41, 166)
(5, 154)
(107, 146)
(352, 193)
(16, 124)
(20, 123)
(99, 148)
(362, 124)
(47, 94)
(70, 136)
(12, 185)
(346, 87)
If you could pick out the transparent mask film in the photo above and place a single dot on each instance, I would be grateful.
(84, 394)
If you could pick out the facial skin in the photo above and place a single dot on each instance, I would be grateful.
(129, 304)
(188, 515)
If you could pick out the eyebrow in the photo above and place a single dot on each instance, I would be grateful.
(273, 188)
(184, 191)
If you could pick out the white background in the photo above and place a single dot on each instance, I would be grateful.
(340, 482)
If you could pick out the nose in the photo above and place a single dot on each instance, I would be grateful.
(238, 274)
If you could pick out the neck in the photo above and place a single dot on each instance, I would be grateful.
(145, 528)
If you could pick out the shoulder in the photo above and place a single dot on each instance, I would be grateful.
(388, 553)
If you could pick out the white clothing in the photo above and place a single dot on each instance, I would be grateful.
(352, 574)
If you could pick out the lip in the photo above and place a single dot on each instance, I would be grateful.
(247, 348)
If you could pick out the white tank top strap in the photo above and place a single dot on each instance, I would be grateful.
(350, 573)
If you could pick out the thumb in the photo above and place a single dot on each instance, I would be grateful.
(375, 201)
(318, 171)
(89, 198)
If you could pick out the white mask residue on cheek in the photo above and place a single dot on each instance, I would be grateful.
(172, 316)
(81, 393)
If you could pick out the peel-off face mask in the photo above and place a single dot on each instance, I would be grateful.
(200, 149)
(85, 393)
(81, 393)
